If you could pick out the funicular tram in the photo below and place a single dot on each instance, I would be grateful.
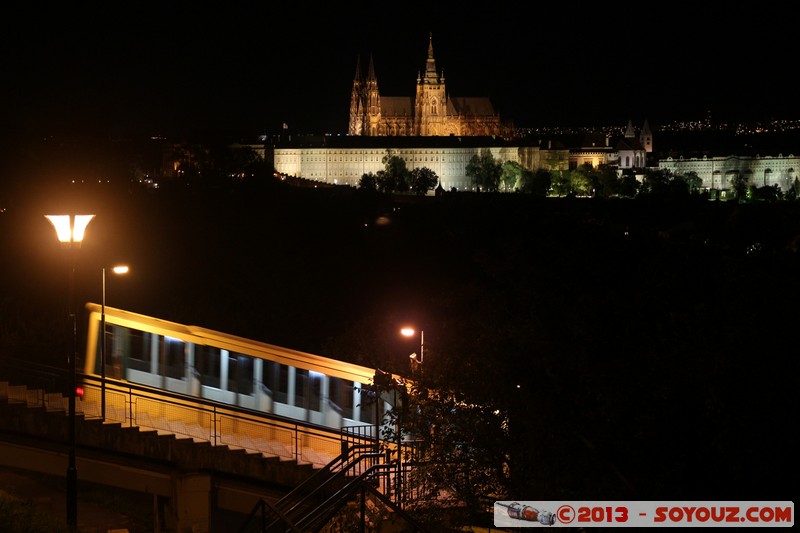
(308, 404)
(326, 395)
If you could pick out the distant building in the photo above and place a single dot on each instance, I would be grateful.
(431, 112)
(720, 173)
(343, 160)
(631, 151)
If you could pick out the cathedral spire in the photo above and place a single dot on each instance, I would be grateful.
(430, 66)
(371, 71)
(358, 68)
(630, 133)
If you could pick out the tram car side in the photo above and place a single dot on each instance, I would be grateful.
(225, 368)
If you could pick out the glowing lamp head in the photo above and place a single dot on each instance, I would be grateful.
(407, 332)
(68, 229)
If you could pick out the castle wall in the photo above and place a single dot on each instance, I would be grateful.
(345, 166)
(720, 172)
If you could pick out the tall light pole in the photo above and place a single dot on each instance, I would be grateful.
(409, 332)
(120, 269)
(70, 231)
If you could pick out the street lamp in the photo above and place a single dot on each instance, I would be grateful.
(70, 231)
(409, 332)
(119, 269)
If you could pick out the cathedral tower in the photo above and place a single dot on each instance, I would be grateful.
(356, 124)
(373, 100)
(431, 101)
(646, 137)
(431, 112)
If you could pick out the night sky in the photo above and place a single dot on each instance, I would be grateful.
(245, 68)
(641, 327)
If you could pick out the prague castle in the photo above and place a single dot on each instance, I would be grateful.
(441, 132)
(432, 112)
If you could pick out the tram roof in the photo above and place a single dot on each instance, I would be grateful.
(206, 336)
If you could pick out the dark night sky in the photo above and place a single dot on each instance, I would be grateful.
(243, 68)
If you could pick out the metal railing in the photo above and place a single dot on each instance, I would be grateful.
(134, 405)
(148, 408)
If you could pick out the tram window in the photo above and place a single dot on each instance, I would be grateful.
(314, 390)
(300, 386)
(240, 373)
(367, 405)
(207, 363)
(341, 395)
(276, 379)
(268, 376)
(139, 354)
(117, 348)
(174, 358)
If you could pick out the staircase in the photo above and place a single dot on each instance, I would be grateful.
(309, 508)
(320, 492)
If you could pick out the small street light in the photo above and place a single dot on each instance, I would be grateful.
(119, 269)
(70, 231)
(409, 332)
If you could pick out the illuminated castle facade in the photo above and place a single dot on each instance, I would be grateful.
(432, 112)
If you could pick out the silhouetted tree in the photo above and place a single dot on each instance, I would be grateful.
(629, 186)
(655, 182)
(368, 182)
(536, 182)
(739, 184)
(608, 183)
(423, 180)
(484, 171)
(385, 181)
(693, 181)
(561, 183)
(396, 173)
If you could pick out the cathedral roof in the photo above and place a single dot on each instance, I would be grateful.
(397, 106)
(470, 106)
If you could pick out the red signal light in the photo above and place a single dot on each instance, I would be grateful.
(79, 392)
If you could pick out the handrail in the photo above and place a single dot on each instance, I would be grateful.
(300, 493)
(355, 449)
(326, 476)
(341, 494)
(335, 501)
(222, 413)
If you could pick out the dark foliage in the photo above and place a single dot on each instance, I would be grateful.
(639, 349)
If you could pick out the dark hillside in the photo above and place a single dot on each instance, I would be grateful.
(650, 338)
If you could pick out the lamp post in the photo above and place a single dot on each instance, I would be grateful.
(409, 332)
(70, 231)
(120, 269)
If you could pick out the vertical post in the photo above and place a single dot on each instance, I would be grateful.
(399, 438)
(72, 470)
(377, 418)
(70, 231)
(103, 351)
(363, 509)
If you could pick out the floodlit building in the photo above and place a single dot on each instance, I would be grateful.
(431, 112)
(343, 160)
(720, 173)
